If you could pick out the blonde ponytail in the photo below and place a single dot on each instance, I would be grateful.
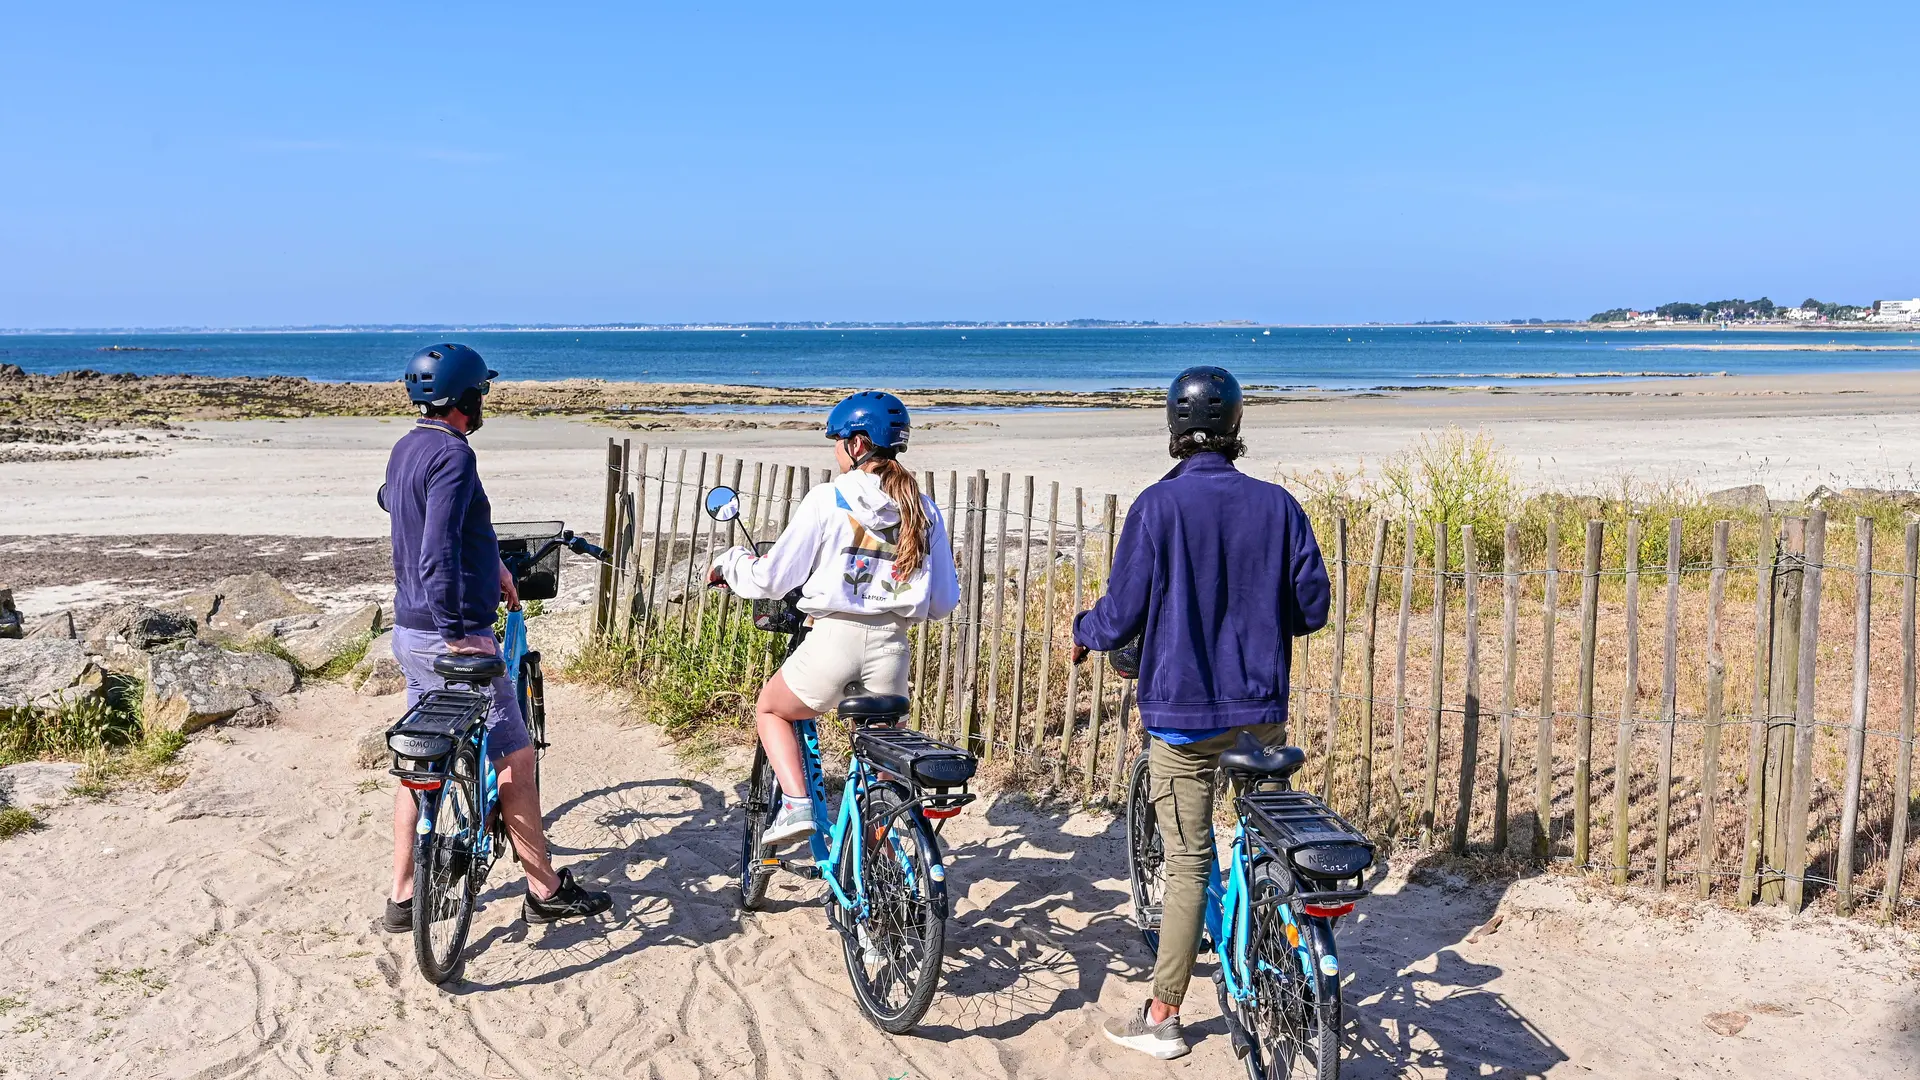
(910, 550)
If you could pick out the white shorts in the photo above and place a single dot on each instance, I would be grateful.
(846, 656)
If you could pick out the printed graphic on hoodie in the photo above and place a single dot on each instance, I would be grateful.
(872, 546)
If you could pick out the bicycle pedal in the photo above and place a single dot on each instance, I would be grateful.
(806, 870)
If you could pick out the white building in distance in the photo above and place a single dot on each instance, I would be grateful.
(1896, 311)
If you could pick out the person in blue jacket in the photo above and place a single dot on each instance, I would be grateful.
(448, 584)
(1217, 573)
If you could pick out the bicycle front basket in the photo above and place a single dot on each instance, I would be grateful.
(541, 581)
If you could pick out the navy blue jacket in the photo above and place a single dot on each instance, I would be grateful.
(446, 559)
(1221, 571)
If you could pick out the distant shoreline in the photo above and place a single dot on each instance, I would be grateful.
(796, 327)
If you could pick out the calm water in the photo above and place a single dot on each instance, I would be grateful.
(1342, 358)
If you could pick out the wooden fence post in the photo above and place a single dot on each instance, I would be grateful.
(1543, 750)
(1669, 706)
(1123, 740)
(1470, 713)
(1583, 733)
(973, 602)
(1709, 847)
(693, 546)
(603, 583)
(1020, 614)
(1372, 603)
(1339, 620)
(1803, 719)
(1629, 701)
(1857, 735)
(1788, 603)
(1766, 552)
(1044, 705)
(1097, 714)
(1903, 764)
(999, 616)
(1437, 684)
(923, 634)
(1509, 645)
(957, 531)
(1073, 670)
(1398, 809)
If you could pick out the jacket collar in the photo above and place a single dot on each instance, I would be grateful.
(1206, 461)
(440, 425)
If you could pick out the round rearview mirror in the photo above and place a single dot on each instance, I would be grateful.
(723, 504)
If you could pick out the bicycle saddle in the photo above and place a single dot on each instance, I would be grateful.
(874, 708)
(1249, 756)
(467, 668)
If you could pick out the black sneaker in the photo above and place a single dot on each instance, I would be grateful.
(399, 917)
(569, 901)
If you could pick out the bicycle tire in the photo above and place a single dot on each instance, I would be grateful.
(532, 690)
(762, 803)
(1146, 856)
(1290, 1023)
(444, 888)
(902, 941)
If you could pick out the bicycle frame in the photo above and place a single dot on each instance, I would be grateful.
(829, 838)
(1228, 917)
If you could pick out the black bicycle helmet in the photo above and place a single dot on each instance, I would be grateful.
(439, 374)
(1204, 399)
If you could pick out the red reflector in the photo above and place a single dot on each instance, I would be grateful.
(937, 814)
(1320, 911)
(421, 785)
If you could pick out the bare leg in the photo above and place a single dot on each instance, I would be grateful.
(774, 715)
(520, 808)
(406, 814)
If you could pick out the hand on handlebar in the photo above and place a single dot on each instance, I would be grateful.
(508, 591)
(716, 579)
(1079, 653)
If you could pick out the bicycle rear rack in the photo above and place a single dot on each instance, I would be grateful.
(424, 738)
(931, 767)
(1313, 842)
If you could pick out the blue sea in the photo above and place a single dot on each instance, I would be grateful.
(1341, 358)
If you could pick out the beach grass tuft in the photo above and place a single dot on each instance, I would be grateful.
(14, 821)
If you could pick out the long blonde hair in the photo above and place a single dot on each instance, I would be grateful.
(910, 549)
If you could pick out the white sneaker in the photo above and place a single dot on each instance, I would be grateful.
(1137, 1031)
(793, 822)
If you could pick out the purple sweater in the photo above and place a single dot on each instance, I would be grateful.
(1221, 572)
(446, 560)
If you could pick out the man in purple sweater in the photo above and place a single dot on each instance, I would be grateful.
(448, 583)
(1216, 573)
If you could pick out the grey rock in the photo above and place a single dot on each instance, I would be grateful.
(246, 600)
(333, 636)
(192, 685)
(43, 672)
(1749, 497)
(57, 625)
(123, 636)
(1898, 496)
(261, 713)
(37, 783)
(378, 673)
(286, 626)
(370, 748)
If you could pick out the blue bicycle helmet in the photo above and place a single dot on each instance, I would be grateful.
(878, 415)
(438, 374)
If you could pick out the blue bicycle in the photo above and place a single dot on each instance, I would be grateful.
(1294, 869)
(440, 753)
(880, 851)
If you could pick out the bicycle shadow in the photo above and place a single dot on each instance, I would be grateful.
(657, 876)
(1414, 1003)
(1039, 922)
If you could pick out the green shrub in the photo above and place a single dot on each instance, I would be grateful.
(14, 821)
(76, 727)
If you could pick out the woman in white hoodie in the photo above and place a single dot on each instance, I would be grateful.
(871, 556)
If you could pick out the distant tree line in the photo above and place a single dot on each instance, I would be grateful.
(1726, 310)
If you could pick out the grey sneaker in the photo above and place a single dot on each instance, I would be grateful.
(1136, 1032)
(793, 822)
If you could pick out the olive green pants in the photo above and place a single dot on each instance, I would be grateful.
(1182, 782)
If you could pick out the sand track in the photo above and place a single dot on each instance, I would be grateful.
(223, 930)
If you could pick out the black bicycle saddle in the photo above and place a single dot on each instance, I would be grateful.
(1248, 756)
(469, 668)
(874, 708)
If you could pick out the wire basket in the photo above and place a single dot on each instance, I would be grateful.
(541, 581)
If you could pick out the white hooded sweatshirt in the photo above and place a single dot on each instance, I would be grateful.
(839, 549)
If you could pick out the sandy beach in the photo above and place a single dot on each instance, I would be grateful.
(316, 476)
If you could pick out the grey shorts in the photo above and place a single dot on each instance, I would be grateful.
(506, 728)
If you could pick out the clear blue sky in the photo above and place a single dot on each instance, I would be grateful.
(264, 164)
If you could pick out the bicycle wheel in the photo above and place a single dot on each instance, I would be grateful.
(1146, 859)
(763, 800)
(532, 691)
(1299, 1035)
(443, 880)
(894, 954)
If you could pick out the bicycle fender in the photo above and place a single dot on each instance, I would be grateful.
(1327, 979)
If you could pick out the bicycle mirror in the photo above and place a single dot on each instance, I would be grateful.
(723, 504)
